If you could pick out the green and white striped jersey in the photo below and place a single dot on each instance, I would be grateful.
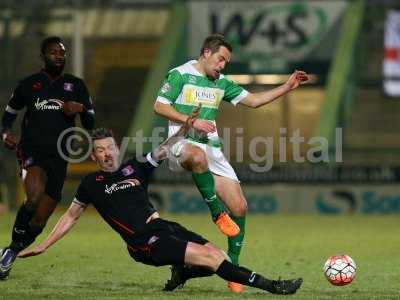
(185, 88)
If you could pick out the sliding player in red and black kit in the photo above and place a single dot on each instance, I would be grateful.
(119, 193)
(52, 100)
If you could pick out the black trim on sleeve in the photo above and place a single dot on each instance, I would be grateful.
(76, 201)
(151, 160)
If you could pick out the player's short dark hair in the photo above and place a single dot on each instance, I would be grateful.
(50, 40)
(101, 133)
(214, 42)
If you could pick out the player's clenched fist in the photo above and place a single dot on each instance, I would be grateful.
(9, 140)
(71, 108)
(297, 78)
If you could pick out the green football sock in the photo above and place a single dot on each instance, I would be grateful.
(206, 186)
(235, 243)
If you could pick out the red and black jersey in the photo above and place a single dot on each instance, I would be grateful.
(43, 98)
(120, 197)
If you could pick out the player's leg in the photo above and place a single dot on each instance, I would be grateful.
(46, 207)
(34, 183)
(229, 191)
(56, 171)
(52, 172)
(178, 246)
(213, 259)
(35, 227)
(22, 235)
(231, 194)
(43, 187)
(193, 159)
(181, 273)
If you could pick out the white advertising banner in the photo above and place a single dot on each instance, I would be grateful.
(267, 35)
(288, 198)
(391, 63)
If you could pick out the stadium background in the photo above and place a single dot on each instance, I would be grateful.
(124, 48)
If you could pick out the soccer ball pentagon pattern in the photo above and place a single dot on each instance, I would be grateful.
(340, 269)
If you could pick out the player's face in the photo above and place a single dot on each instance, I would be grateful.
(106, 154)
(54, 56)
(216, 62)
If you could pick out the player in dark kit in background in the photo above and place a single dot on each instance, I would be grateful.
(119, 194)
(52, 99)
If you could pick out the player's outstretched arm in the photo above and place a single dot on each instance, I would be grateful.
(256, 100)
(64, 224)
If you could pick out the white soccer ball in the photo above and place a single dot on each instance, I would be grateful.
(340, 269)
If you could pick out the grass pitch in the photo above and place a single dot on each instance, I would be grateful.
(91, 262)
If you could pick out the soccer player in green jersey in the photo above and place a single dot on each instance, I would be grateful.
(201, 82)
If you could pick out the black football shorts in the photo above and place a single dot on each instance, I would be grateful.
(54, 166)
(164, 243)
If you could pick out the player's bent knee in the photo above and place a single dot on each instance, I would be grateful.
(194, 159)
(240, 209)
(225, 255)
(222, 252)
(31, 205)
(215, 257)
(199, 158)
(243, 208)
(35, 183)
(38, 223)
(207, 256)
(33, 193)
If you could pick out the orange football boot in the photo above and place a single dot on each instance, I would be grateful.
(235, 287)
(227, 225)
